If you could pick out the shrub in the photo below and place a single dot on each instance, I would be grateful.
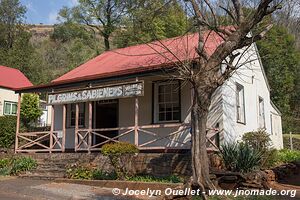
(7, 131)
(30, 108)
(149, 178)
(101, 175)
(259, 140)
(80, 173)
(286, 156)
(13, 166)
(86, 172)
(240, 157)
(22, 164)
(117, 153)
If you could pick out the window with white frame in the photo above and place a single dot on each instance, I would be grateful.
(167, 101)
(240, 103)
(261, 112)
(81, 116)
(10, 108)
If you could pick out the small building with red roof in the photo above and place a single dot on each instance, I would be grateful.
(129, 95)
(10, 80)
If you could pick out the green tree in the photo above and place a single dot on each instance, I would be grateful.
(11, 18)
(147, 21)
(30, 108)
(102, 16)
(281, 61)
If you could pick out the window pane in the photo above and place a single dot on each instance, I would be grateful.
(162, 107)
(161, 98)
(7, 108)
(176, 115)
(14, 109)
(169, 116)
(240, 107)
(162, 116)
(167, 101)
(169, 107)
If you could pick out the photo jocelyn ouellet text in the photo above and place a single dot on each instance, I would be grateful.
(189, 192)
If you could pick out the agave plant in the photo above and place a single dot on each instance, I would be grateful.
(240, 157)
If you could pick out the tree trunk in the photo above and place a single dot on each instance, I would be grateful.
(200, 161)
(106, 42)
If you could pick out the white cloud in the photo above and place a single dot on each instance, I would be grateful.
(52, 17)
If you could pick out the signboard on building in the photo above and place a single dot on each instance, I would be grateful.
(99, 93)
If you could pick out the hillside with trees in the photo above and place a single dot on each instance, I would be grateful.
(92, 27)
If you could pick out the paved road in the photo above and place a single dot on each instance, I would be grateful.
(28, 189)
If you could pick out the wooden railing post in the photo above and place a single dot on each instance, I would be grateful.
(76, 126)
(90, 127)
(52, 129)
(136, 120)
(63, 145)
(18, 123)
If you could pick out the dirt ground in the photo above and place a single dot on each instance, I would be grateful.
(28, 189)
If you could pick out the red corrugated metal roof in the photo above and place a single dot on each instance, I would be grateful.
(141, 58)
(12, 78)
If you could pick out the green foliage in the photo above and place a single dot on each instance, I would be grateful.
(30, 108)
(7, 131)
(117, 153)
(281, 61)
(240, 157)
(86, 172)
(286, 156)
(79, 173)
(149, 178)
(16, 165)
(259, 140)
(118, 149)
(143, 25)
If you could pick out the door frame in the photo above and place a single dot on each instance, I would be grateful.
(110, 101)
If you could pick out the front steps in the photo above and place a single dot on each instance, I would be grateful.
(54, 166)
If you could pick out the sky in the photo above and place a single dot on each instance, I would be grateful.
(45, 11)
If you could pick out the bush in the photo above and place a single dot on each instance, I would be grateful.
(240, 157)
(22, 164)
(30, 108)
(79, 173)
(118, 155)
(86, 172)
(7, 131)
(13, 166)
(149, 178)
(259, 140)
(287, 156)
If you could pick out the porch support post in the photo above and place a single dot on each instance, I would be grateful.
(52, 129)
(76, 126)
(63, 145)
(90, 126)
(136, 121)
(18, 123)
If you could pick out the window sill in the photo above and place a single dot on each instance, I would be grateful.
(239, 122)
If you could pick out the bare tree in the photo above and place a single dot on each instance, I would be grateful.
(205, 75)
